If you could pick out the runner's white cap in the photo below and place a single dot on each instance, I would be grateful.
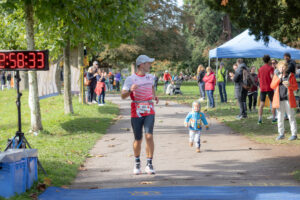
(143, 59)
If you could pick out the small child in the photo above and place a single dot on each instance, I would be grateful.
(194, 121)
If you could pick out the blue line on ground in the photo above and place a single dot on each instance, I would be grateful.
(48, 95)
(176, 192)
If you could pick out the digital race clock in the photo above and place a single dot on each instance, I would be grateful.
(24, 60)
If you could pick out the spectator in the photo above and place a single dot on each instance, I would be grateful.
(3, 80)
(284, 84)
(252, 93)
(91, 76)
(8, 80)
(155, 81)
(240, 91)
(100, 88)
(117, 80)
(167, 79)
(221, 79)
(201, 83)
(210, 82)
(111, 81)
(265, 75)
(291, 63)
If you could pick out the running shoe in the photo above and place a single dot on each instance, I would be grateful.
(149, 169)
(280, 137)
(259, 122)
(137, 169)
(274, 121)
(293, 137)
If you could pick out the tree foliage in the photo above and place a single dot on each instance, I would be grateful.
(278, 17)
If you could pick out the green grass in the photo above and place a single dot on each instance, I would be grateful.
(66, 139)
(226, 113)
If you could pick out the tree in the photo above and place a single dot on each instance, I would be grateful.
(90, 22)
(280, 18)
(34, 104)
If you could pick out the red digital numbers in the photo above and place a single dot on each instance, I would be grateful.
(31, 60)
(24, 60)
(13, 60)
(40, 60)
(20, 60)
(2, 60)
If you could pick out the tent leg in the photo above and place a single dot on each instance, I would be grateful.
(217, 64)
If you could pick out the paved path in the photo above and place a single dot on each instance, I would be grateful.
(226, 159)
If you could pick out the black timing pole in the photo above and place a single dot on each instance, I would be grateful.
(18, 102)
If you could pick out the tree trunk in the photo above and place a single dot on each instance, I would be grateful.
(81, 66)
(67, 79)
(34, 104)
(227, 28)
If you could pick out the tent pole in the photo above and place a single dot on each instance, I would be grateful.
(209, 62)
(217, 64)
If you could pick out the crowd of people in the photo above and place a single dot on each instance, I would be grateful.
(99, 81)
(5, 80)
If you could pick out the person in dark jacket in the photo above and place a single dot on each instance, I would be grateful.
(252, 93)
(291, 63)
(91, 76)
(155, 81)
(240, 92)
(201, 83)
(3, 80)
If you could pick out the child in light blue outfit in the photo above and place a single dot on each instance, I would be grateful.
(194, 121)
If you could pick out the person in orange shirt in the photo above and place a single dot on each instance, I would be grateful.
(167, 80)
(284, 83)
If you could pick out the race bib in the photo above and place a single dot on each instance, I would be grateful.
(143, 108)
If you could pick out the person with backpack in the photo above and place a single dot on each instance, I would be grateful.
(241, 86)
(265, 75)
(221, 79)
(252, 93)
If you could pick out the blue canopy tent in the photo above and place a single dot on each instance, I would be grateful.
(244, 45)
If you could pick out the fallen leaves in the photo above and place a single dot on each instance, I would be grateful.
(69, 162)
(47, 181)
(65, 186)
(34, 196)
(125, 129)
(111, 145)
(146, 182)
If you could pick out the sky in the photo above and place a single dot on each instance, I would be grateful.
(180, 2)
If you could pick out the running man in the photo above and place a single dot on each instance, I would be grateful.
(140, 88)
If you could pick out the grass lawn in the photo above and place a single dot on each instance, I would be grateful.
(64, 143)
(226, 113)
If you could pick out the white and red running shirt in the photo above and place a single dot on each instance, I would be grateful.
(141, 104)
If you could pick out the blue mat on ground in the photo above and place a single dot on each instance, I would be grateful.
(176, 192)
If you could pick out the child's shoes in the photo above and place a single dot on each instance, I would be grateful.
(191, 144)
(198, 150)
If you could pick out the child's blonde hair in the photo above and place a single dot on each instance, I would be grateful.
(198, 103)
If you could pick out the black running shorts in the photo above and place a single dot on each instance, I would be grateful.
(138, 123)
(264, 94)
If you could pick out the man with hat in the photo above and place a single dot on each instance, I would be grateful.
(140, 88)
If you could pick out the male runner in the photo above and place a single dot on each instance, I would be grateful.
(140, 88)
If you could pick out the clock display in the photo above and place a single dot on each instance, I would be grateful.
(24, 60)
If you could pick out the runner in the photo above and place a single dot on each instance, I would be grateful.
(140, 88)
